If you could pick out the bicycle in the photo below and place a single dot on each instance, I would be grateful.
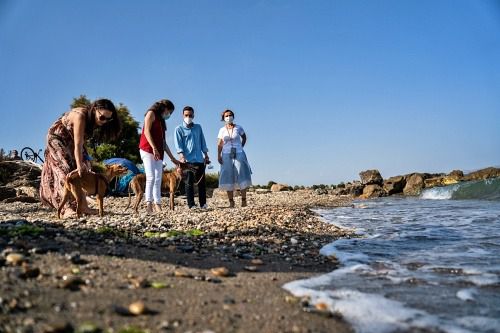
(29, 154)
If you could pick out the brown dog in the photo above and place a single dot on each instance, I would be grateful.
(138, 186)
(88, 184)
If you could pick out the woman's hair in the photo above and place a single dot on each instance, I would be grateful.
(159, 107)
(108, 131)
(223, 112)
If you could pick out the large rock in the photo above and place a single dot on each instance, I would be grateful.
(354, 189)
(414, 184)
(394, 185)
(370, 177)
(19, 179)
(452, 178)
(483, 174)
(279, 187)
(373, 191)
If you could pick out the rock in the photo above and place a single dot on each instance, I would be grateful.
(320, 191)
(181, 273)
(439, 181)
(251, 268)
(19, 179)
(483, 174)
(370, 177)
(15, 259)
(394, 185)
(414, 184)
(72, 283)
(372, 191)
(257, 262)
(456, 174)
(137, 308)
(354, 189)
(262, 191)
(279, 187)
(220, 271)
(58, 327)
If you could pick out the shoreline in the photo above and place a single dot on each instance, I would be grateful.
(166, 261)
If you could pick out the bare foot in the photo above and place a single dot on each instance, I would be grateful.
(149, 208)
(157, 208)
(69, 214)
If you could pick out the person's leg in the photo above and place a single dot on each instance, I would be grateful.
(148, 162)
(189, 186)
(200, 178)
(158, 173)
(243, 197)
(230, 197)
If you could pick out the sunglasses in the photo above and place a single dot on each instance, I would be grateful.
(104, 118)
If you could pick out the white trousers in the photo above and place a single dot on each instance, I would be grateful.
(154, 173)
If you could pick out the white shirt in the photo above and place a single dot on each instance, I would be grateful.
(231, 138)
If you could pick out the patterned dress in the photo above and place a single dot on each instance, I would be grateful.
(59, 161)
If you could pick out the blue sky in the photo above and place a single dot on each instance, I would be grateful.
(324, 89)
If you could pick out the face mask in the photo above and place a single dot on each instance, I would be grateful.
(229, 119)
(188, 120)
(166, 115)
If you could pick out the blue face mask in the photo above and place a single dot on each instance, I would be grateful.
(166, 116)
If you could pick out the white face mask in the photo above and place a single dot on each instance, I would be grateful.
(188, 120)
(229, 119)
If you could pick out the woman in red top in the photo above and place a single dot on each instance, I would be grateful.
(152, 145)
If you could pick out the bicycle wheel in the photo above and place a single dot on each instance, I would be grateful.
(28, 154)
(40, 154)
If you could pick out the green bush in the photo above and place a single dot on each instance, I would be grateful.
(212, 180)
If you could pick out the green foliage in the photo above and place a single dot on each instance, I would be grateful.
(341, 185)
(174, 233)
(80, 101)
(104, 151)
(271, 183)
(212, 180)
(128, 142)
(22, 230)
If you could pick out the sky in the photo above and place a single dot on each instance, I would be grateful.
(324, 89)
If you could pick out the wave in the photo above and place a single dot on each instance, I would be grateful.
(488, 189)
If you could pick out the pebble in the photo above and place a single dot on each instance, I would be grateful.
(220, 271)
(251, 268)
(137, 308)
(257, 262)
(15, 259)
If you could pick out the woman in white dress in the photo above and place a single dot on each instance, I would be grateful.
(235, 171)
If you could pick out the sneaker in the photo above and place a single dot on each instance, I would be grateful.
(204, 206)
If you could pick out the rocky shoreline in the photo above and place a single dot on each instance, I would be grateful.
(215, 270)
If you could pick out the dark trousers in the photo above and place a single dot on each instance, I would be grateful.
(190, 179)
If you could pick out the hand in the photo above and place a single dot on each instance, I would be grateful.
(81, 170)
(207, 159)
(156, 154)
(219, 158)
(182, 159)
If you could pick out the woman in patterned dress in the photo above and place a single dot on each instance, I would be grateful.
(65, 150)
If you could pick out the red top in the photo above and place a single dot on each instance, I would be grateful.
(158, 135)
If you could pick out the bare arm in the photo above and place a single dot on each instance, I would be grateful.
(78, 121)
(148, 124)
(220, 143)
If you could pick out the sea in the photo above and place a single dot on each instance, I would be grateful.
(416, 264)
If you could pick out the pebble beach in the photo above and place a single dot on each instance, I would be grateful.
(200, 270)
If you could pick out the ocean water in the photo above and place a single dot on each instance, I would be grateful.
(428, 264)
